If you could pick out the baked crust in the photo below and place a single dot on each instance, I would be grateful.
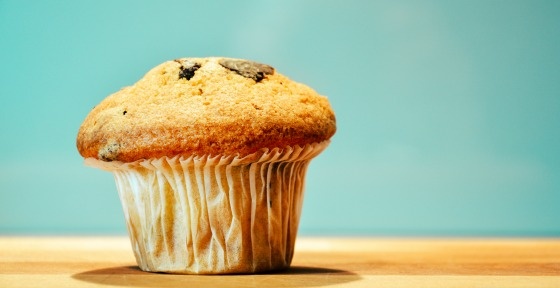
(205, 106)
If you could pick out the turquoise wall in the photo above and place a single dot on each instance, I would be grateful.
(448, 111)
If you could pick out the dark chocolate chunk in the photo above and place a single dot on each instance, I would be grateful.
(187, 68)
(248, 69)
(109, 152)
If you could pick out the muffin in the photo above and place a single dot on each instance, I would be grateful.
(209, 157)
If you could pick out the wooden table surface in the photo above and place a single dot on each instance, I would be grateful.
(332, 262)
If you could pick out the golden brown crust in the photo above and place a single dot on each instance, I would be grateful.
(204, 106)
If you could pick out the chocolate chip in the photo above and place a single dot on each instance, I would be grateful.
(124, 112)
(248, 69)
(109, 152)
(187, 68)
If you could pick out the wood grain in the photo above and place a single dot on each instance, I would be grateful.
(332, 262)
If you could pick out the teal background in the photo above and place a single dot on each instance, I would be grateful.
(448, 111)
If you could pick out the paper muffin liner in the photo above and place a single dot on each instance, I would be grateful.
(214, 215)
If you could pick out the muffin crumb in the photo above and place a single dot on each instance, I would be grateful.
(216, 112)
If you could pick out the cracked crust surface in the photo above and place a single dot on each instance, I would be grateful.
(211, 109)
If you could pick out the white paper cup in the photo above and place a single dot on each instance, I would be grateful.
(214, 215)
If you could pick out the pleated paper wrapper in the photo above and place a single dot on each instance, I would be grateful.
(214, 215)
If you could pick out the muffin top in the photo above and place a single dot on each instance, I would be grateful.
(205, 106)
